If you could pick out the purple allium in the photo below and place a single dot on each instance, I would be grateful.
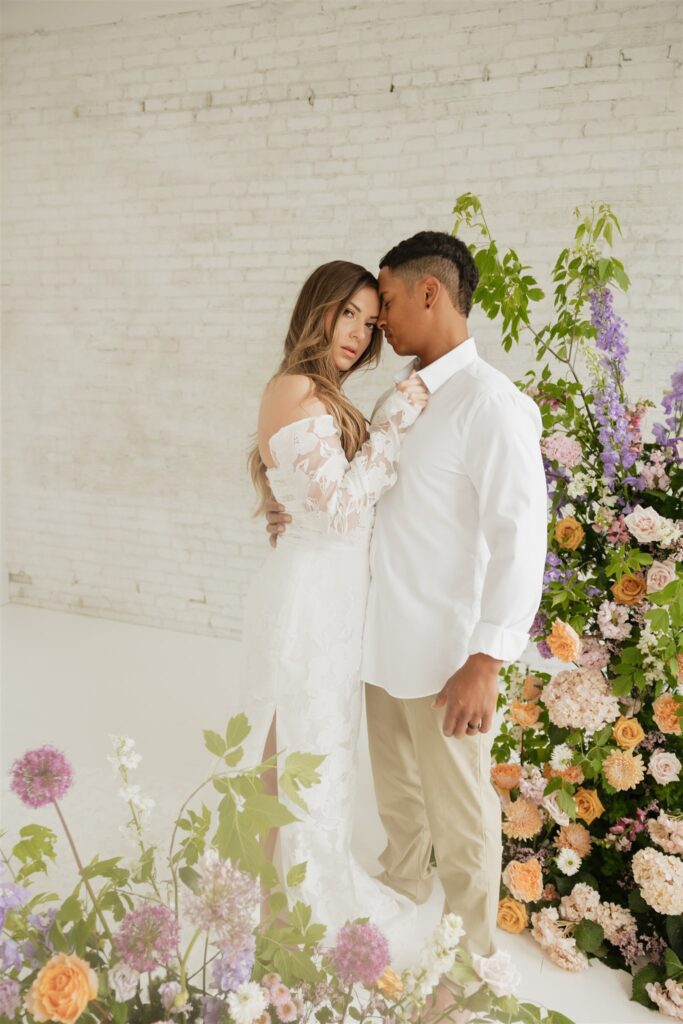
(226, 900)
(147, 937)
(360, 955)
(9, 997)
(234, 966)
(41, 776)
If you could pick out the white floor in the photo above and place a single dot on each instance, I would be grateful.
(71, 680)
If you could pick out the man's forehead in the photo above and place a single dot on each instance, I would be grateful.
(385, 278)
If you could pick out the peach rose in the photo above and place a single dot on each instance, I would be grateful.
(525, 715)
(506, 776)
(512, 916)
(62, 989)
(627, 732)
(588, 805)
(664, 713)
(524, 879)
(679, 662)
(532, 688)
(569, 533)
(645, 524)
(389, 983)
(563, 641)
(630, 589)
(572, 773)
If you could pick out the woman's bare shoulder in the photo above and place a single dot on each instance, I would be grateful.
(286, 399)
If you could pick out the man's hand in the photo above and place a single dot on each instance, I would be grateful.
(470, 696)
(277, 520)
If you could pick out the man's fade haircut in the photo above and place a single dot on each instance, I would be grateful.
(437, 254)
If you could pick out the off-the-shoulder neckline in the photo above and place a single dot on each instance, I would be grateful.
(294, 423)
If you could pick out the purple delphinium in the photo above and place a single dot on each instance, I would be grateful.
(41, 776)
(539, 624)
(214, 1011)
(10, 998)
(11, 895)
(670, 433)
(615, 432)
(544, 650)
(360, 955)
(147, 937)
(234, 966)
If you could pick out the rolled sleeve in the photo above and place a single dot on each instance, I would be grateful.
(505, 465)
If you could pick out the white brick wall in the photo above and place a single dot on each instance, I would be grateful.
(170, 181)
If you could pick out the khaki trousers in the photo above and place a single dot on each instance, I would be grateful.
(433, 789)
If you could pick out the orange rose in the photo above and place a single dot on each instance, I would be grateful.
(506, 776)
(563, 641)
(627, 732)
(630, 589)
(588, 805)
(532, 688)
(512, 916)
(62, 989)
(524, 880)
(525, 715)
(569, 533)
(664, 713)
(389, 983)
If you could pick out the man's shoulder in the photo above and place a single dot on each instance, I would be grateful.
(484, 387)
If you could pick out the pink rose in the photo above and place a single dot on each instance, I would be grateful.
(664, 767)
(659, 575)
(645, 525)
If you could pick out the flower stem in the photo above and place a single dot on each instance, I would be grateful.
(183, 964)
(81, 869)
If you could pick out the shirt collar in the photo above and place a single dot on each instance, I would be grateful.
(443, 368)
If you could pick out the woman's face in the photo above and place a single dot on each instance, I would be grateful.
(353, 331)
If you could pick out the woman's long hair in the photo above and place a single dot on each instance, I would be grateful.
(308, 350)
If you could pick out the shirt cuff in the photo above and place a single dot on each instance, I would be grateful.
(497, 642)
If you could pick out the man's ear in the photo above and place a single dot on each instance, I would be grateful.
(430, 288)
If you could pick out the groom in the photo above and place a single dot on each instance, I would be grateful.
(456, 557)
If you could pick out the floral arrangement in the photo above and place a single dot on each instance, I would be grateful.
(588, 760)
(211, 936)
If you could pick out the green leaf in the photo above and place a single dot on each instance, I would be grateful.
(191, 878)
(296, 874)
(640, 980)
(233, 757)
(214, 743)
(237, 730)
(672, 964)
(588, 935)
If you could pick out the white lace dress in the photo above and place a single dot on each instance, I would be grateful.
(303, 631)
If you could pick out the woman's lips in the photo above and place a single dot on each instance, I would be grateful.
(349, 351)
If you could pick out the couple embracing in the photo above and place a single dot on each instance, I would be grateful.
(407, 561)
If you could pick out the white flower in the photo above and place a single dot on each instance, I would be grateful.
(568, 861)
(554, 810)
(123, 980)
(660, 574)
(645, 524)
(125, 756)
(131, 794)
(561, 757)
(498, 972)
(247, 1002)
(669, 533)
(568, 509)
(580, 484)
(664, 767)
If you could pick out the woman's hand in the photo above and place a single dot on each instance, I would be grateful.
(415, 390)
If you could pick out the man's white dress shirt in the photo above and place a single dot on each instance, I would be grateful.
(459, 543)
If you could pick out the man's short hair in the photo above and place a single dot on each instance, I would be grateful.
(437, 254)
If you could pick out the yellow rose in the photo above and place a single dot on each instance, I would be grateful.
(588, 805)
(389, 983)
(525, 715)
(512, 916)
(664, 713)
(569, 533)
(62, 989)
(627, 732)
(563, 641)
(630, 589)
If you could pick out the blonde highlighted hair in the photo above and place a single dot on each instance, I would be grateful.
(308, 350)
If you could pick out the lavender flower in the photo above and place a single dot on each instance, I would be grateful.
(361, 954)
(226, 900)
(234, 966)
(543, 649)
(11, 896)
(41, 776)
(9, 955)
(147, 938)
(615, 429)
(9, 997)
(214, 1011)
(669, 433)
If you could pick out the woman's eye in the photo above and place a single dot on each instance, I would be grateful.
(349, 311)
(371, 327)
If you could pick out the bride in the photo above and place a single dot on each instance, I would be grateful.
(304, 612)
